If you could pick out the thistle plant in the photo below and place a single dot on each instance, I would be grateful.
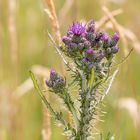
(88, 56)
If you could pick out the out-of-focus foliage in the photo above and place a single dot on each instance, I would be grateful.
(24, 43)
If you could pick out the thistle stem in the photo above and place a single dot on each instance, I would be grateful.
(85, 106)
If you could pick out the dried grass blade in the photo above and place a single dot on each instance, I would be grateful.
(104, 20)
(50, 10)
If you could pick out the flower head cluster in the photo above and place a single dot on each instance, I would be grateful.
(56, 82)
(88, 48)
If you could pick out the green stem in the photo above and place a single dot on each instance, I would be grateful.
(85, 103)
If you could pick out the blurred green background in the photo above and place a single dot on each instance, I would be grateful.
(27, 44)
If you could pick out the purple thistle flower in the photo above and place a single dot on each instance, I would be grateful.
(77, 29)
(89, 52)
(66, 40)
(53, 74)
(116, 37)
(104, 37)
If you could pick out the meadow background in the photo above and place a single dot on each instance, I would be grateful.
(24, 45)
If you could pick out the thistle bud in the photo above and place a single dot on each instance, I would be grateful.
(72, 46)
(59, 83)
(81, 46)
(116, 37)
(115, 49)
(108, 50)
(56, 82)
(53, 74)
(90, 26)
(66, 40)
(90, 37)
(104, 37)
(99, 56)
(87, 44)
(89, 52)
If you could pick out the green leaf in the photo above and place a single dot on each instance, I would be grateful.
(39, 91)
(92, 78)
